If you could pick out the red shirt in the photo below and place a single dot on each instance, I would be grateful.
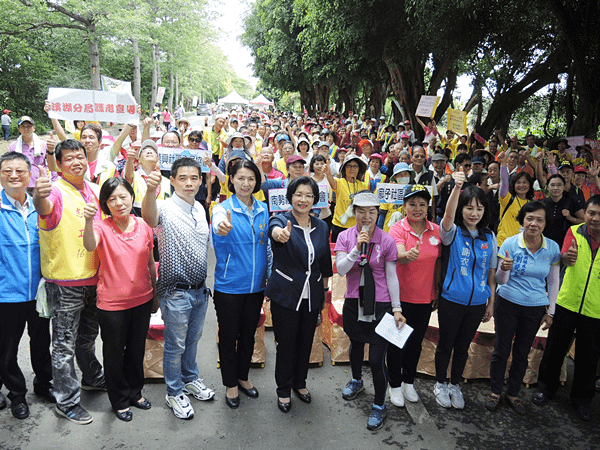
(417, 277)
(569, 240)
(124, 277)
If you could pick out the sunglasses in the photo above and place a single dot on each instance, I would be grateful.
(195, 140)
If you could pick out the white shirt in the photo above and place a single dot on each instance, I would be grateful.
(22, 208)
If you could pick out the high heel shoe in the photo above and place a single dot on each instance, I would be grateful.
(306, 398)
(284, 407)
(252, 392)
(125, 416)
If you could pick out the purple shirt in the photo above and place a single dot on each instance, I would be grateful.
(39, 160)
(384, 250)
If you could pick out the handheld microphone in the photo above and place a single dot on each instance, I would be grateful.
(363, 246)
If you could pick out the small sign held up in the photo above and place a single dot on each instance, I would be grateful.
(427, 106)
(457, 121)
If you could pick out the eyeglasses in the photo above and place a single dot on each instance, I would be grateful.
(195, 140)
(352, 166)
(466, 165)
(303, 196)
(418, 156)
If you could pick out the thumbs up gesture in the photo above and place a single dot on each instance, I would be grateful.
(43, 185)
(507, 263)
(283, 234)
(50, 144)
(89, 211)
(413, 253)
(225, 226)
(154, 179)
(570, 258)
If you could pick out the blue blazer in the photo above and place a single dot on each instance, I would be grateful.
(290, 263)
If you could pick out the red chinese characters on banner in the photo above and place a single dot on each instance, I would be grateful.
(91, 108)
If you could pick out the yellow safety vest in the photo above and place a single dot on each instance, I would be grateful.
(63, 257)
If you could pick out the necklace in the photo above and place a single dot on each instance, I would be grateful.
(126, 235)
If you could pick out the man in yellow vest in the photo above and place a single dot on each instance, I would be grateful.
(577, 310)
(71, 274)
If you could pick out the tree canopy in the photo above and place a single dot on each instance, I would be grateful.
(360, 53)
(70, 43)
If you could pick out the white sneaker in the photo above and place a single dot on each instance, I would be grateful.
(199, 390)
(442, 395)
(396, 397)
(456, 397)
(180, 405)
(409, 393)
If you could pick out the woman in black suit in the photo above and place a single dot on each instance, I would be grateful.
(301, 269)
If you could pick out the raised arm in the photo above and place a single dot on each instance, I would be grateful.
(504, 177)
(90, 237)
(149, 208)
(452, 204)
(58, 129)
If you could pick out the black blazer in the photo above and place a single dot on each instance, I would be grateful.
(290, 263)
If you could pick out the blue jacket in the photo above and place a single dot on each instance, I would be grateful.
(291, 267)
(19, 253)
(241, 266)
(466, 280)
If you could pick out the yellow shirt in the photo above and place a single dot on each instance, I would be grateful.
(344, 193)
(509, 226)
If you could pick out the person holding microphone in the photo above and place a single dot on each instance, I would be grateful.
(372, 291)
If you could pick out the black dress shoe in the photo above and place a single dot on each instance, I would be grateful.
(583, 412)
(252, 392)
(46, 394)
(540, 398)
(2, 401)
(145, 404)
(284, 407)
(306, 398)
(125, 416)
(20, 410)
(233, 403)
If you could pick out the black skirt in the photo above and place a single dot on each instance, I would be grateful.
(363, 331)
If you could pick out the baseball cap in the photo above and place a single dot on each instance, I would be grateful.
(365, 199)
(416, 189)
(25, 119)
(580, 169)
(438, 157)
(294, 158)
(282, 137)
(148, 143)
(478, 159)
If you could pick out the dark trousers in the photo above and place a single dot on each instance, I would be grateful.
(377, 364)
(13, 317)
(335, 231)
(123, 347)
(402, 363)
(458, 325)
(521, 323)
(238, 316)
(6, 131)
(294, 332)
(587, 354)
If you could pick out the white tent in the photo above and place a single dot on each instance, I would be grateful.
(261, 100)
(233, 99)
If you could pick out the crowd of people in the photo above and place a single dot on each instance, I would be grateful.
(487, 228)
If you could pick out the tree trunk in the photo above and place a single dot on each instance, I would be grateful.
(408, 85)
(447, 98)
(348, 98)
(94, 60)
(570, 103)
(154, 79)
(307, 97)
(176, 90)
(588, 117)
(322, 92)
(171, 83)
(377, 97)
(137, 78)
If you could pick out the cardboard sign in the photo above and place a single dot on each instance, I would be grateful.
(427, 106)
(457, 121)
(101, 106)
(393, 193)
(278, 201)
(167, 156)
(114, 85)
(160, 93)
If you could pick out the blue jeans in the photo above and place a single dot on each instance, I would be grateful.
(6, 131)
(183, 313)
(74, 332)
